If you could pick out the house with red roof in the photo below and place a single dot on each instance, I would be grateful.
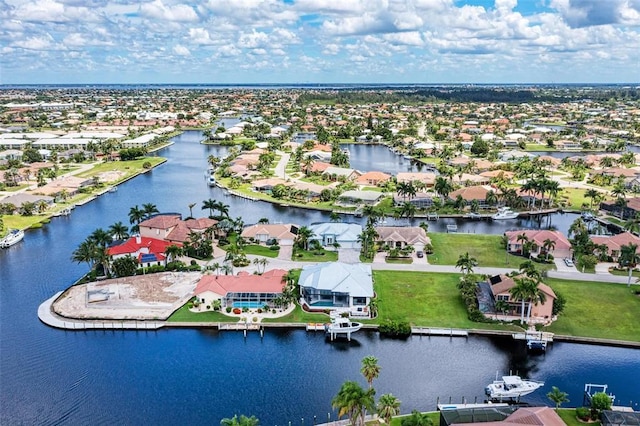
(148, 251)
(501, 286)
(171, 227)
(243, 290)
(614, 243)
(373, 178)
(561, 247)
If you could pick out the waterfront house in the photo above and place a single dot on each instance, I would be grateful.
(632, 207)
(170, 227)
(501, 286)
(470, 194)
(356, 198)
(329, 233)
(373, 178)
(422, 200)
(339, 173)
(427, 178)
(19, 199)
(614, 243)
(147, 251)
(402, 236)
(501, 416)
(561, 247)
(337, 285)
(243, 290)
(282, 234)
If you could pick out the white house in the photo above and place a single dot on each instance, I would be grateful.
(345, 234)
(337, 285)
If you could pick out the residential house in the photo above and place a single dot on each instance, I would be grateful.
(470, 194)
(338, 173)
(355, 198)
(170, 227)
(562, 247)
(267, 185)
(283, 234)
(147, 251)
(19, 199)
(329, 233)
(632, 207)
(337, 285)
(614, 243)
(71, 185)
(373, 178)
(427, 178)
(501, 416)
(501, 286)
(244, 290)
(402, 236)
(422, 200)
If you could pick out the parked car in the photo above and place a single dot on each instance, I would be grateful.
(568, 261)
(420, 253)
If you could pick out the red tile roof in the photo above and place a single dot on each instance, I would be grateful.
(270, 282)
(136, 245)
(163, 221)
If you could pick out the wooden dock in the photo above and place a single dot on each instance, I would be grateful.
(428, 331)
(541, 336)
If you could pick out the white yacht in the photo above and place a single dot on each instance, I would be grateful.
(511, 387)
(13, 237)
(340, 326)
(504, 213)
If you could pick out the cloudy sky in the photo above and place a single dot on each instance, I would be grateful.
(319, 41)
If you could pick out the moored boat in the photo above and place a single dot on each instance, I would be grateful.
(504, 213)
(341, 326)
(13, 237)
(511, 387)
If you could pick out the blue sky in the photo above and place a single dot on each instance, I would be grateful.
(319, 41)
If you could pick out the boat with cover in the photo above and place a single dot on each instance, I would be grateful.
(13, 237)
(341, 326)
(504, 213)
(511, 387)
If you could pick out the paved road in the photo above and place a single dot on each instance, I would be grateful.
(281, 167)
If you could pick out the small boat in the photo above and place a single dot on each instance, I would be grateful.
(536, 345)
(587, 216)
(13, 237)
(211, 181)
(511, 387)
(472, 216)
(341, 326)
(65, 212)
(113, 189)
(504, 213)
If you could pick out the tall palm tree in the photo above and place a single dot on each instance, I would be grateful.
(242, 421)
(119, 231)
(173, 252)
(548, 245)
(209, 204)
(502, 306)
(353, 401)
(303, 237)
(558, 397)
(592, 194)
(85, 253)
(191, 206)
(522, 291)
(388, 406)
(629, 258)
(136, 215)
(149, 209)
(370, 369)
(466, 263)
(522, 239)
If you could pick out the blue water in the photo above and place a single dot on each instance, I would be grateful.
(190, 376)
(248, 305)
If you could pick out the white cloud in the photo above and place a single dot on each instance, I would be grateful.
(35, 43)
(181, 50)
(178, 13)
(200, 36)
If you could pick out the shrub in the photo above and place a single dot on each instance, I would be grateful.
(583, 413)
(395, 328)
(146, 165)
(208, 307)
(259, 310)
(273, 311)
(189, 305)
(237, 311)
(228, 309)
(255, 319)
(274, 248)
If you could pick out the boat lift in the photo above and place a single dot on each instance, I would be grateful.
(591, 389)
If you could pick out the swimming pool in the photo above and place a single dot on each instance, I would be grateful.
(249, 305)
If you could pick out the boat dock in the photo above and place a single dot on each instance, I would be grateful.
(315, 326)
(428, 331)
(536, 340)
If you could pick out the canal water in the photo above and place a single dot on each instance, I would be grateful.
(199, 376)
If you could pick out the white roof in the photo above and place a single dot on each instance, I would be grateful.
(341, 231)
(362, 195)
(93, 135)
(353, 279)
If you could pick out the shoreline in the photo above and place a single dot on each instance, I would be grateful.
(48, 317)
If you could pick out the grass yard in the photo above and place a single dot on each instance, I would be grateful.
(434, 416)
(130, 168)
(300, 316)
(399, 260)
(259, 250)
(314, 256)
(185, 315)
(574, 197)
(424, 299)
(487, 249)
(594, 309)
(568, 415)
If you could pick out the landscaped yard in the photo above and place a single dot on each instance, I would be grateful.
(568, 415)
(595, 309)
(314, 255)
(185, 315)
(259, 250)
(129, 168)
(487, 249)
(300, 316)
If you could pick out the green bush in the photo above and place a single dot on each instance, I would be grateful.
(274, 248)
(228, 309)
(395, 328)
(583, 413)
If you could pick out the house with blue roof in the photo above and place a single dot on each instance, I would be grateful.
(329, 233)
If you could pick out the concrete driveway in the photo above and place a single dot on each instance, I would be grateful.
(285, 252)
(349, 255)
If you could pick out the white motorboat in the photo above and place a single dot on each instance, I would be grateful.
(13, 237)
(341, 327)
(504, 213)
(511, 387)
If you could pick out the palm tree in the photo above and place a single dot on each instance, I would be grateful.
(149, 209)
(353, 401)
(466, 263)
(334, 217)
(548, 245)
(522, 291)
(442, 186)
(136, 215)
(223, 209)
(370, 369)
(209, 204)
(558, 397)
(173, 252)
(502, 306)
(119, 231)
(85, 253)
(242, 421)
(303, 237)
(417, 419)
(191, 206)
(388, 406)
(529, 269)
(629, 258)
(592, 194)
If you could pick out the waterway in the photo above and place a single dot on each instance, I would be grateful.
(188, 376)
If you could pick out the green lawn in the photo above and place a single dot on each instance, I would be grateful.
(487, 249)
(424, 299)
(314, 256)
(300, 316)
(259, 250)
(434, 416)
(399, 260)
(184, 315)
(574, 197)
(568, 415)
(595, 309)
(130, 168)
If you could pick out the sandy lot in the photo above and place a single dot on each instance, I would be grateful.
(141, 297)
(111, 176)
